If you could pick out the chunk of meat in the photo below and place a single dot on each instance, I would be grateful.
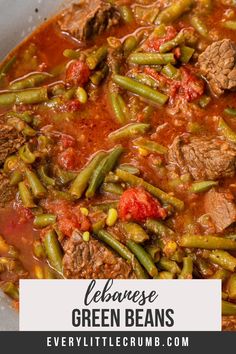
(221, 208)
(205, 158)
(7, 192)
(87, 18)
(137, 205)
(10, 141)
(218, 65)
(229, 323)
(93, 260)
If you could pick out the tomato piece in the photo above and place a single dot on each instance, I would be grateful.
(136, 204)
(155, 43)
(77, 73)
(68, 159)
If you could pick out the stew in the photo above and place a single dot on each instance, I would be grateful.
(118, 146)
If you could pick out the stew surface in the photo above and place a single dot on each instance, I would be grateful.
(118, 146)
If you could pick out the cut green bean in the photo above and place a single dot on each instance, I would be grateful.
(100, 75)
(199, 26)
(143, 257)
(135, 232)
(39, 250)
(42, 172)
(29, 96)
(129, 131)
(150, 146)
(26, 196)
(29, 81)
(186, 54)
(94, 59)
(221, 274)
(82, 180)
(82, 95)
(11, 290)
(53, 250)
(16, 178)
(199, 187)
(37, 188)
(174, 11)
(164, 275)
(223, 259)
(145, 80)
(44, 220)
(187, 270)
(170, 71)
(169, 265)
(158, 228)
(158, 193)
(204, 101)
(151, 58)
(207, 242)
(72, 54)
(228, 308)
(229, 25)
(140, 89)
(129, 168)
(230, 111)
(112, 188)
(126, 14)
(226, 131)
(129, 45)
(123, 251)
(6, 67)
(115, 103)
(232, 287)
(103, 168)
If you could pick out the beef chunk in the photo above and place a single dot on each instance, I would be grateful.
(87, 18)
(221, 208)
(229, 323)
(7, 192)
(218, 65)
(204, 158)
(10, 141)
(93, 260)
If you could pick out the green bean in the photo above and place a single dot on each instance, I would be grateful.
(151, 58)
(146, 14)
(140, 89)
(187, 270)
(199, 26)
(28, 131)
(42, 172)
(150, 146)
(174, 11)
(82, 180)
(24, 116)
(37, 188)
(221, 274)
(199, 187)
(158, 228)
(4, 247)
(129, 131)
(29, 81)
(64, 177)
(186, 54)
(11, 290)
(168, 265)
(16, 178)
(6, 67)
(228, 308)
(72, 54)
(204, 101)
(223, 259)
(106, 206)
(170, 71)
(94, 59)
(230, 110)
(145, 80)
(143, 257)
(158, 193)
(229, 25)
(203, 266)
(39, 250)
(135, 232)
(129, 45)
(111, 178)
(82, 95)
(53, 250)
(119, 114)
(123, 251)
(99, 75)
(112, 188)
(44, 220)
(29, 96)
(123, 107)
(207, 242)
(227, 132)
(129, 168)
(26, 196)
(175, 42)
(154, 251)
(126, 14)
(232, 287)
(103, 168)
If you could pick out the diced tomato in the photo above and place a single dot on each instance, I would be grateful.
(69, 218)
(68, 159)
(67, 141)
(137, 205)
(77, 73)
(155, 43)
